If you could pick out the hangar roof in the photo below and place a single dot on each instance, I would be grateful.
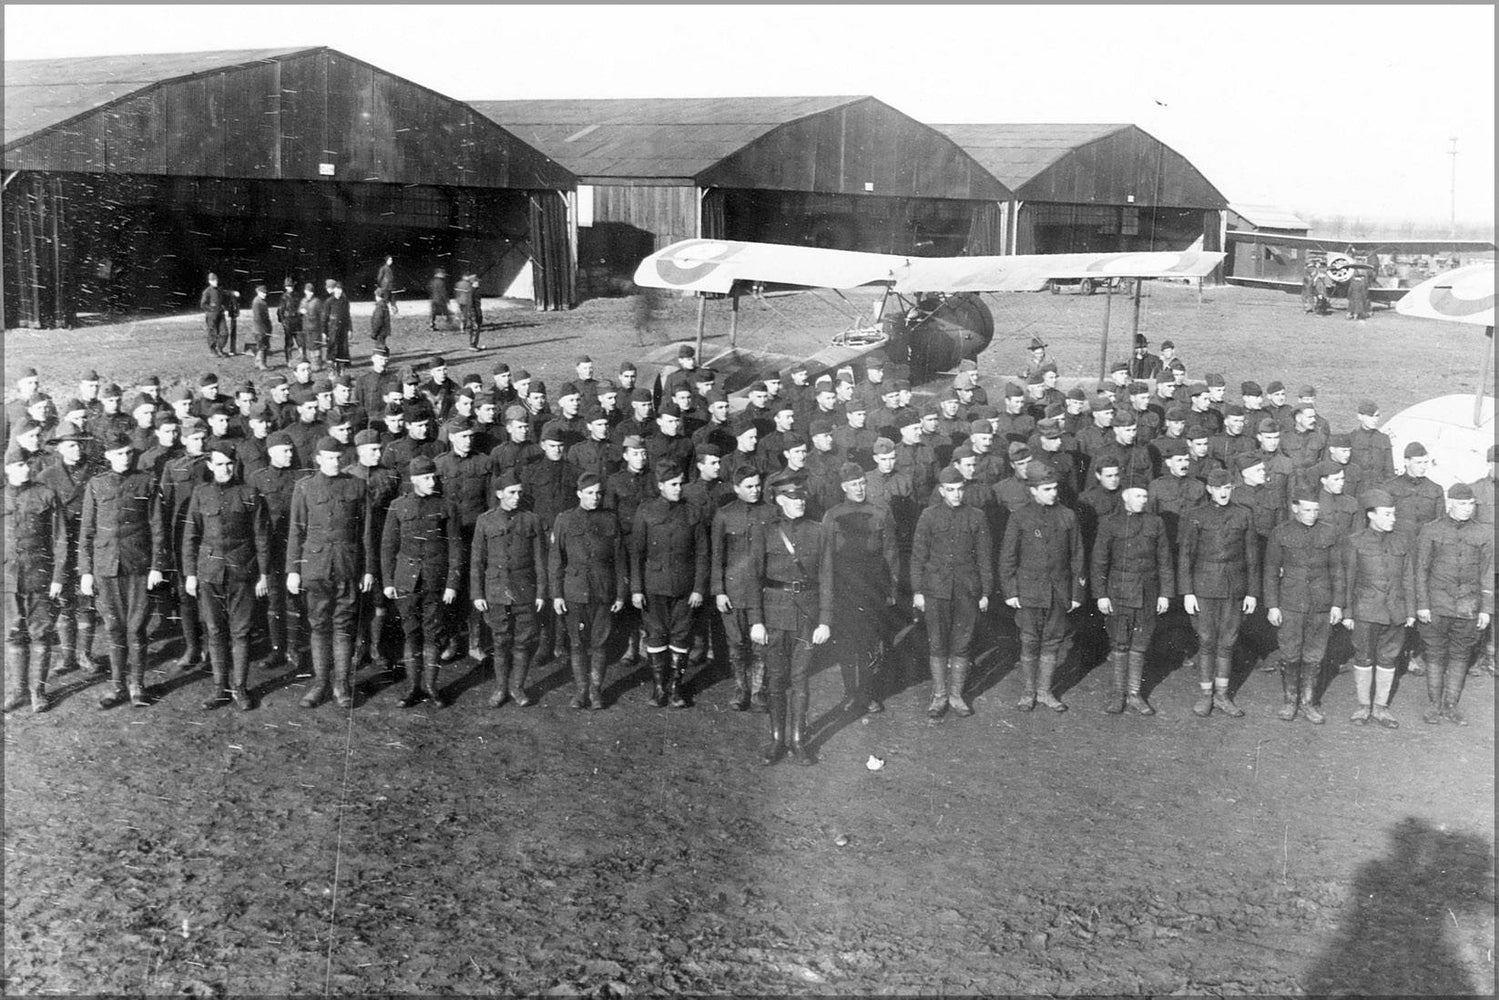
(278, 114)
(1086, 163)
(847, 144)
(1269, 217)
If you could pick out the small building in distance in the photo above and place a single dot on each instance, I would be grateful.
(1095, 188)
(850, 173)
(128, 178)
(1245, 218)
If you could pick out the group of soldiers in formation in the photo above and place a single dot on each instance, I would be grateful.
(610, 520)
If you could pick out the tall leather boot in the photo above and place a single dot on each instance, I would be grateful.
(957, 676)
(938, 705)
(597, 663)
(361, 642)
(873, 682)
(137, 685)
(476, 637)
(377, 633)
(65, 653)
(739, 664)
(239, 673)
(343, 670)
(218, 660)
(1309, 710)
(1136, 678)
(430, 662)
(501, 678)
(1384, 680)
(775, 748)
(759, 700)
(578, 660)
(87, 625)
(796, 729)
(1435, 676)
(518, 674)
(676, 680)
(1290, 689)
(1363, 689)
(116, 694)
(631, 655)
(412, 663)
(1221, 701)
(1118, 665)
(192, 653)
(1048, 667)
(1452, 692)
(319, 686)
(1027, 667)
(17, 659)
(658, 677)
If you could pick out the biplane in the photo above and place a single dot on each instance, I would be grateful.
(1267, 260)
(929, 317)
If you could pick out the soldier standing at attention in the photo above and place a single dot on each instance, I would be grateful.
(1454, 598)
(1043, 570)
(791, 618)
(69, 477)
(668, 577)
(1379, 604)
(212, 302)
(464, 474)
(1418, 502)
(36, 553)
(1218, 571)
(226, 563)
(179, 477)
(951, 579)
(1371, 448)
(866, 579)
(382, 487)
(115, 533)
(260, 319)
(284, 615)
(591, 581)
(1134, 578)
(738, 528)
(421, 560)
(330, 551)
(1303, 564)
(508, 581)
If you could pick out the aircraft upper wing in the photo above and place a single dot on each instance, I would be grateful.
(714, 266)
(1461, 295)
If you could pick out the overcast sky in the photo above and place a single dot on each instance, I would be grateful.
(1326, 110)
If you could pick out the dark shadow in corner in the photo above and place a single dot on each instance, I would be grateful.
(1406, 905)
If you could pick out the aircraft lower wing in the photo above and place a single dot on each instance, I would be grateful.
(1461, 295)
(714, 266)
(1377, 293)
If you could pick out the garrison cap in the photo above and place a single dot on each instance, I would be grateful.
(1267, 425)
(793, 440)
(1176, 414)
(703, 375)
(686, 351)
(1415, 450)
(1460, 491)
(627, 366)
(416, 413)
(856, 405)
(1250, 389)
(1050, 428)
(380, 351)
(1375, 497)
(193, 425)
(743, 471)
(93, 376)
(1246, 460)
(876, 359)
(1307, 392)
(111, 391)
(742, 423)
(1234, 410)
(458, 425)
(1341, 439)
(519, 375)
(224, 446)
(911, 417)
(164, 417)
(437, 361)
(640, 396)
(1138, 389)
(179, 393)
(1034, 378)
(964, 450)
(716, 396)
(516, 412)
(1100, 403)
(1011, 389)
(883, 446)
(1018, 451)
(821, 426)
(421, 465)
(367, 436)
(707, 450)
(582, 359)
(323, 387)
(1195, 432)
(963, 381)
(567, 389)
(279, 438)
(1039, 474)
(850, 472)
(1274, 387)
(1125, 418)
(260, 411)
(505, 480)
(552, 432)
(1076, 392)
(980, 427)
(594, 414)
(950, 476)
(208, 379)
(115, 442)
(1326, 468)
(1218, 478)
(1119, 366)
(1171, 447)
(149, 380)
(500, 368)
(633, 441)
(69, 431)
(536, 386)
(1214, 380)
(1197, 389)
(329, 444)
(588, 480)
(396, 409)
(669, 409)
(603, 385)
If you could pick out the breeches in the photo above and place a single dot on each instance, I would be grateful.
(513, 626)
(331, 605)
(668, 622)
(1377, 645)
(422, 613)
(123, 607)
(589, 624)
(950, 626)
(1302, 636)
(228, 609)
(1217, 622)
(788, 659)
(1131, 628)
(1450, 640)
(31, 616)
(1042, 630)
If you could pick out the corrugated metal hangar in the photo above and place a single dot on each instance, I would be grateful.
(1095, 188)
(127, 178)
(846, 172)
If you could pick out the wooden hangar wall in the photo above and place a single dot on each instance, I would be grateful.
(260, 165)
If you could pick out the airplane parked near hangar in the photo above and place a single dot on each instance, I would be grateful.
(1269, 260)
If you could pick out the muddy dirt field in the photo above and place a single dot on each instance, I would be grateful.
(645, 851)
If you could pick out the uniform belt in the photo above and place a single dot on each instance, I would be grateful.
(790, 586)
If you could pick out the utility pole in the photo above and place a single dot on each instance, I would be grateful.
(1452, 196)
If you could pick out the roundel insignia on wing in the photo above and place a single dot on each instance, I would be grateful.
(1465, 296)
(694, 261)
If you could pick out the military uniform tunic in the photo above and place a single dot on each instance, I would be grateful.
(226, 543)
